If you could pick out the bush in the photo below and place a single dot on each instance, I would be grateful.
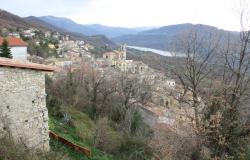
(52, 102)
(106, 138)
(84, 126)
(135, 148)
(10, 150)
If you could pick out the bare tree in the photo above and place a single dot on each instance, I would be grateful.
(217, 116)
(227, 129)
(194, 70)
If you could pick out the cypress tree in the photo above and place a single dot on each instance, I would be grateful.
(5, 50)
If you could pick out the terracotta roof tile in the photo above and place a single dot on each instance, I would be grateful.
(5, 62)
(13, 41)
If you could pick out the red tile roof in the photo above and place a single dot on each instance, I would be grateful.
(14, 42)
(5, 62)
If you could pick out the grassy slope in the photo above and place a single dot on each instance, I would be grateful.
(70, 133)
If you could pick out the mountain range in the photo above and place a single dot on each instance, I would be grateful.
(149, 37)
(163, 38)
(90, 29)
(107, 36)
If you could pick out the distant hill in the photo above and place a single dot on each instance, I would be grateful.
(42, 24)
(97, 40)
(90, 29)
(68, 25)
(13, 22)
(162, 38)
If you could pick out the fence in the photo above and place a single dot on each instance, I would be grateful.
(69, 144)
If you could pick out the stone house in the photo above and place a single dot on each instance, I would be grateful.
(116, 56)
(124, 65)
(17, 46)
(153, 114)
(23, 112)
(56, 35)
(161, 99)
(112, 57)
(29, 32)
(139, 67)
(170, 83)
(65, 37)
(148, 78)
(100, 63)
(47, 34)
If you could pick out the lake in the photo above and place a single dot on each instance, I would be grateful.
(160, 52)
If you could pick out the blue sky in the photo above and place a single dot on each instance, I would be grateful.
(134, 13)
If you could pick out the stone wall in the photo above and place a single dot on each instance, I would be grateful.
(23, 111)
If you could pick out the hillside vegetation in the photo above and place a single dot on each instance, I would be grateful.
(102, 120)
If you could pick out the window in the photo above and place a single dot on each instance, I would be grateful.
(166, 103)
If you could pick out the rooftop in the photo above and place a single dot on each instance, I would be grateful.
(5, 62)
(14, 42)
(114, 52)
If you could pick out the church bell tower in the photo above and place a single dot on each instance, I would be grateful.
(124, 50)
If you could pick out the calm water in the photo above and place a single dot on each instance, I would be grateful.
(160, 52)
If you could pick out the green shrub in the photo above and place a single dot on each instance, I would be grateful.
(69, 132)
(135, 148)
(10, 150)
(106, 138)
(84, 126)
(137, 121)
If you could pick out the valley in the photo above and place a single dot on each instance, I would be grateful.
(84, 81)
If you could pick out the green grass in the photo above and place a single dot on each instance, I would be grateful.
(80, 135)
(97, 155)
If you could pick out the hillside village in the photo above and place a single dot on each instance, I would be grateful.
(124, 80)
(72, 53)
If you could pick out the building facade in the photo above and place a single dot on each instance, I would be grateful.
(17, 46)
(23, 112)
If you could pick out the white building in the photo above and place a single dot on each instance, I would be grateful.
(170, 83)
(14, 34)
(17, 46)
(47, 34)
(29, 33)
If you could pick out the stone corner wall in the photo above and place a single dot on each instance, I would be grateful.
(23, 111)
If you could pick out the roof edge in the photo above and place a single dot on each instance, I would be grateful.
(5, 62)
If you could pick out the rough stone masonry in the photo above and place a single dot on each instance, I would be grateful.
(23, 112)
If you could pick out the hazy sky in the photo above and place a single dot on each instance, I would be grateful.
(134, 13)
